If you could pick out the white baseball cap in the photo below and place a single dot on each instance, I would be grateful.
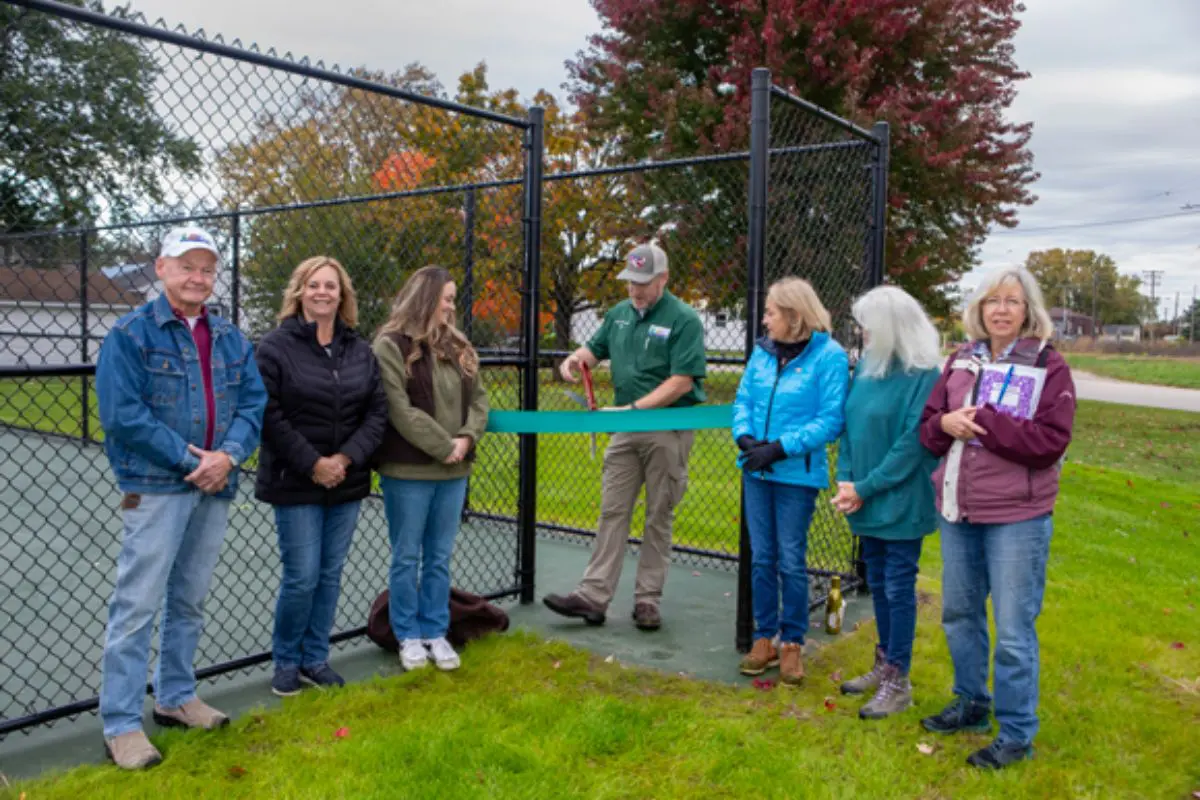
(186, 238)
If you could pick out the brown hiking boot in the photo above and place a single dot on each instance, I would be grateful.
(195, 713)
(762, 657)
(132, 751)
(791, 663)
(870, 681)
(572, 605)
(646, 617)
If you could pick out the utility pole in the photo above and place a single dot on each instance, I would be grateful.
(1192, 327)
(1095, 281)
(1177, 313)
(1153, 275)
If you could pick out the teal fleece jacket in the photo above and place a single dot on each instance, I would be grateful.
(880, 452)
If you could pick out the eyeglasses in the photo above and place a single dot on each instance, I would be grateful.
(1008, 302)
(192, 271)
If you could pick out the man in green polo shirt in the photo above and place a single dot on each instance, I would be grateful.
(655, 343)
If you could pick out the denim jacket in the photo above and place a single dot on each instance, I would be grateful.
(151, 394)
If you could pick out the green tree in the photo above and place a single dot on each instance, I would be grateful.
(1074, 278)
(80, 134)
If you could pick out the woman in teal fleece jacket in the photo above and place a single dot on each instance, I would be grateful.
(884, 483)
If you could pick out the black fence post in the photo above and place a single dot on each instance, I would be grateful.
(84, 357)
(235, 270)
(879, 203)
(468, 295)
(530, 298)
(760, 143)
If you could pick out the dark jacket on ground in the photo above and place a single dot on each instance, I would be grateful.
(319, 404)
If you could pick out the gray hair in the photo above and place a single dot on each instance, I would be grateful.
(899, 330)
(1037, 319)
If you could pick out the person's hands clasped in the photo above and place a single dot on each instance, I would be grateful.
(462, 446)
(847, 499)
(746, 442)
(329, 471)
(760, 457)
(213, 473)
(961, 424)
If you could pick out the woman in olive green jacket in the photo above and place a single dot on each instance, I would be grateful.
(883, 479)
(437, 409)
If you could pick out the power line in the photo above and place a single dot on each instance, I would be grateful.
(1098, 223)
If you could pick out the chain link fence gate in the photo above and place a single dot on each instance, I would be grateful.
(281, 160)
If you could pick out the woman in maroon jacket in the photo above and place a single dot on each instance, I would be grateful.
(1000, 418)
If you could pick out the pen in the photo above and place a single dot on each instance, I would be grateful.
(1004, 386)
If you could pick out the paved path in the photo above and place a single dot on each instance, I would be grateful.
(1107, 390)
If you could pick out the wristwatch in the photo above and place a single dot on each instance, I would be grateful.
(232, 459)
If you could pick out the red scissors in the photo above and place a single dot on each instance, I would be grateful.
(588, 402)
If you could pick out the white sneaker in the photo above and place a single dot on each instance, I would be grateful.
(443, 654)
(413, 654)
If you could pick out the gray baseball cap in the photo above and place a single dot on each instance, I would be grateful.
(643, 263)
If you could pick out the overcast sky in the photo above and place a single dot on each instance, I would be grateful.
(1114, 97)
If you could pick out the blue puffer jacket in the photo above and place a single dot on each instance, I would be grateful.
(800, 406)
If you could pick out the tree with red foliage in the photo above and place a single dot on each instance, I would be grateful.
(672, 78)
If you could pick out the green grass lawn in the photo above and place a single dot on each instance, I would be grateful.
(527, 718)
(1161, 370)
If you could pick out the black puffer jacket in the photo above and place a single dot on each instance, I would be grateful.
(318, 404)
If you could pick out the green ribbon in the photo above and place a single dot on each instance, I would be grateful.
(658, 419)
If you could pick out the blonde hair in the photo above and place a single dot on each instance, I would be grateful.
(414, 314)
(899, 330)
(1037, 325)
(347, 299)
(798, 301)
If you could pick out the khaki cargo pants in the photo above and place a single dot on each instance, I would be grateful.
(658, 459)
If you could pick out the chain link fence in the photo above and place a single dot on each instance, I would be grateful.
(285, 159)
(280, 160)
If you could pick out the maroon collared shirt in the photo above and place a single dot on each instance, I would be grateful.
(203, 337)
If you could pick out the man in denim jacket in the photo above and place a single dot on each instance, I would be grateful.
(181, 404)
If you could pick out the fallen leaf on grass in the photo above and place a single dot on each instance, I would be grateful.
(609, 660)
(1165, 504)
(763, 684)
(926, 749)
(830, 705)
(236, 771)
(1177, 645)
(557, 664)
(836, 677)
(1129, 483)
(1167, 611)
(341, 733)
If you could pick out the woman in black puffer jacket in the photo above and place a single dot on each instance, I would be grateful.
(326, 414)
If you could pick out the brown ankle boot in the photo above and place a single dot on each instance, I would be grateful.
(791, 663)
(761, 657)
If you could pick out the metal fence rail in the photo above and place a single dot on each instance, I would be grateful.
(282, 160)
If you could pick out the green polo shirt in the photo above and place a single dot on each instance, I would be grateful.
(646, 349)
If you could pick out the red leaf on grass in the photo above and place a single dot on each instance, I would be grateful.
(341, 733)
(830, 705)
(236, 771)
(763, 684)
(1165, 504)
(1177, 645)
(1129, 483)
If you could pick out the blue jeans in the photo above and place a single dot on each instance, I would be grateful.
(892, 578)
(778, 516)
(313, 543)
(169, 548)
(422, 519)
(1009, 561)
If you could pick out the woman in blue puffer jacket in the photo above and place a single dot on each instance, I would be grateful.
(788, 408)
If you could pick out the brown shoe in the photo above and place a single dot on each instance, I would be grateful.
(791, 663)
(132, 751)
(195, 713)
(572, 605)
(646, 616)
(762, 657)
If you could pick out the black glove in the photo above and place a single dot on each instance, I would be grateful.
(747, 442)
(763, 456)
